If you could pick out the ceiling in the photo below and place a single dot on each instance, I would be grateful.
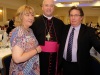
(37, 3)
(69, 3)
(14, 4)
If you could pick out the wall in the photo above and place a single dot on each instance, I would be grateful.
(8, 13)
(90, 14)
(62, 13)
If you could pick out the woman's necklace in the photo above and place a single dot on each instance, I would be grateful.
(25, 30)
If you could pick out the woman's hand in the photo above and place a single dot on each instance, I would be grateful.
(38, 48)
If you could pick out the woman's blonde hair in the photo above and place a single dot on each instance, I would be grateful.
(22, 10)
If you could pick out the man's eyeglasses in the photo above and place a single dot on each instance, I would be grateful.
(74, 15)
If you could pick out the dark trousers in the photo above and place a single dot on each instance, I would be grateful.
(70, 68)
(47, 63)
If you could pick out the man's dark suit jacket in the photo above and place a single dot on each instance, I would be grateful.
(86, 39)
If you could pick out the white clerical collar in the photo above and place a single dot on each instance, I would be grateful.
(48, 17)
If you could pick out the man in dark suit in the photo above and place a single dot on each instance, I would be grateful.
(11, 26)
(84, 38)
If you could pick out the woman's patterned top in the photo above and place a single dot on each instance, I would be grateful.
(26, 40)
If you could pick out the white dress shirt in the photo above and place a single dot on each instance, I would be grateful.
(74, 46)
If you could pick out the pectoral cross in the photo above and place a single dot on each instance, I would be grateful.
(48, 36)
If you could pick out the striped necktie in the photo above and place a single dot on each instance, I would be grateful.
(69, 48)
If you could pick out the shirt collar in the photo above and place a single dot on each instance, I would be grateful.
(47, 17)
(77, 27)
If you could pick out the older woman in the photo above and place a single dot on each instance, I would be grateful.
(24, 46)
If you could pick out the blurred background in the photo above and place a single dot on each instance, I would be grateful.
(91, 9)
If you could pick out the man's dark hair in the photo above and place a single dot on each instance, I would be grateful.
(77, 8)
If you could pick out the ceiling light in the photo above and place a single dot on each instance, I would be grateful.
(75, 3)
(69, 3)
(97, 3)
(0, 10)
(59, 5)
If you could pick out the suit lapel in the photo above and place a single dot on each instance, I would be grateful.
(80, 38)
(81, 33)
(64, 37)
(65, 34)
